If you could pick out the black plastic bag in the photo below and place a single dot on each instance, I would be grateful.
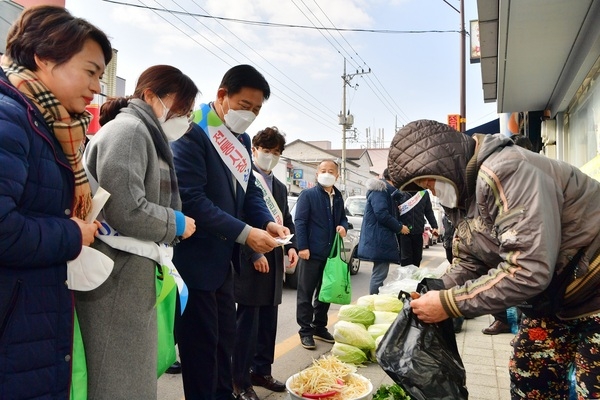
(423, 358)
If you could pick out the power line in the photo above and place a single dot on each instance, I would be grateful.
(280, 25)
(271, 64)
(234, 60)
(365, 64)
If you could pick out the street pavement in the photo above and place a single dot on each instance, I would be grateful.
(485, 357)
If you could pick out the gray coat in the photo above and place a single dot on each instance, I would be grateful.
(131, 159)
(520, 217)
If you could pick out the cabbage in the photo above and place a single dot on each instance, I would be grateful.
(354, 334)
(384, 317)
(385, 302)
(377, 330)
(367, 301)
(348, 353)
(378, 340)
(357, 314)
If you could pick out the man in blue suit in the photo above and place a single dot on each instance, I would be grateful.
(213, 166)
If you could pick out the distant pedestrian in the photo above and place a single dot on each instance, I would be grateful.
(319, 216)
(411, 245)
(378, 241)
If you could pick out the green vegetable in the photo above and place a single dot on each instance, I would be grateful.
(367, 301)
(356, 314)
(384, 317)
(386, 302)
(390, 392)
(348, 353)
(377, 330)
(354, 334)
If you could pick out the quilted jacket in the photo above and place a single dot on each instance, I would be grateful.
(36, 240)
(520, 218)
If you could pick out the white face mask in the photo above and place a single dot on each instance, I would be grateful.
(81, 276)
(238, 120)
(326, 179)
(446, 194)
(175, 128)
(266, 161)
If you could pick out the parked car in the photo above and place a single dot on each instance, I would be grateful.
(355, 210)
(349, 254)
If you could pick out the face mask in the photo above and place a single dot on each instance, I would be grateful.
(446, 194)
(83, 278)
(175, 128)
(163, 118)
(266, 161)
(326, 179)
(238, 120)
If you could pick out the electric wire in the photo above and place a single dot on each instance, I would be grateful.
(268, 62)
(365, 64)
(280, 25)
(321, 121)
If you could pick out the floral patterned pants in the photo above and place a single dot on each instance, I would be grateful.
(546, 350)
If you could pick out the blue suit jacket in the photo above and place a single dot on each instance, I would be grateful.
(211, 195)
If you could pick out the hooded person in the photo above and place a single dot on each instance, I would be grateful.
(526, 235)
(378, 241)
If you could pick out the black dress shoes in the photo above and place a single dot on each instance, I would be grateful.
(267, 381)
(325, 336)
(248, 394)
(497, 327)
(308, 342)
(175, 368)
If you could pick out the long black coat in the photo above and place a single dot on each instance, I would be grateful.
(253, 288)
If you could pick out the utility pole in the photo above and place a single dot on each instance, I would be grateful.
(346, 120)
(462, 123)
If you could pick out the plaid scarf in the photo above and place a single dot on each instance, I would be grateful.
(68, 129)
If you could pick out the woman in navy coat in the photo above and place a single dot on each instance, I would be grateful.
(50, 73)
(378, 241)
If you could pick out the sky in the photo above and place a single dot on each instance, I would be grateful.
(412, 75)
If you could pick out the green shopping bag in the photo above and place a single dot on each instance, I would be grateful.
(336, 286)
(166, 292)
(78, 365)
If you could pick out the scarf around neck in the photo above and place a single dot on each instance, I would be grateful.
(68, 129)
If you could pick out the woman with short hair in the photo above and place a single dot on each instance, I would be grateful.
(49, 74)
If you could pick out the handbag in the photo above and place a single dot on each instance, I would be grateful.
(79, 366)
(166, 297)
(336, 286)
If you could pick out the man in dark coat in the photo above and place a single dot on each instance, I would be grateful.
(229, 211)
(411, 245)
(319, 215)
(378, 241)
(259, 282)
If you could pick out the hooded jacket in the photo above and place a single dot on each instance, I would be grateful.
(520, 218)
(379, 226)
